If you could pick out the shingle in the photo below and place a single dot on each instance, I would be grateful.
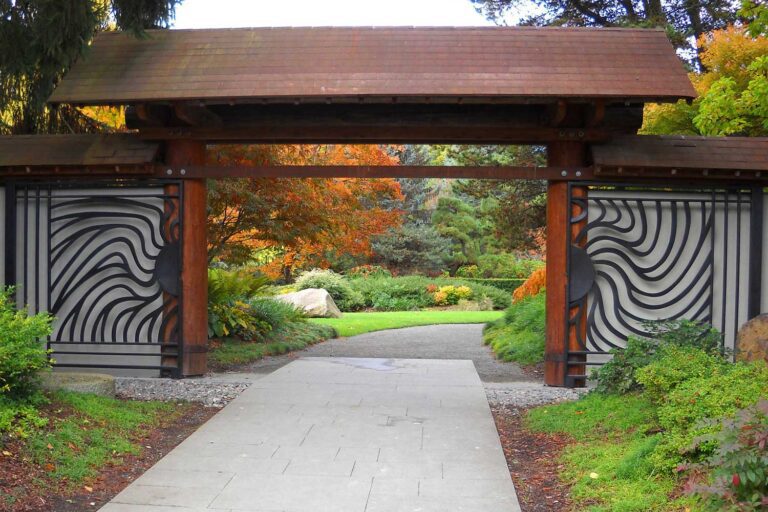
(222, 65)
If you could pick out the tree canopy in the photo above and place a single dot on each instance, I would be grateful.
(733, 93)
(41, 39)
(684, 20)
(301, 222)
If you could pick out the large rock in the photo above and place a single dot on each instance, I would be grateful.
(315, 302)
(752, 340)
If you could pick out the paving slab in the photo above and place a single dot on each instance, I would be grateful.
(339, 435)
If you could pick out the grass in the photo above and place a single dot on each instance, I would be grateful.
(608, 466)
(352, 324)
(295, 336)
(86, 432)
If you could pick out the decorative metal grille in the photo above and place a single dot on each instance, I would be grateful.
(105, 260)
(640, 254)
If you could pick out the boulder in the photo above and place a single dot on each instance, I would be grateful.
(752, 340)
(315, 302)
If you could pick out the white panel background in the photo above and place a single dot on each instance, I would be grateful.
(730, 281)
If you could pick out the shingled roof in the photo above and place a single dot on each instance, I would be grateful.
(423, 64)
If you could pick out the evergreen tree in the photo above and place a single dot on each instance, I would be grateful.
(39, 42)
(684, 20)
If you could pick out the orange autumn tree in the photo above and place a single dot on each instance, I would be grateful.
(301, 222)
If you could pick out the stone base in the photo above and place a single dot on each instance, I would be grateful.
(95, 383)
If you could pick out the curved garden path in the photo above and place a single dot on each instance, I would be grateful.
(452, 341)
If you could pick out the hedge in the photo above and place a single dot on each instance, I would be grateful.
(506, 284)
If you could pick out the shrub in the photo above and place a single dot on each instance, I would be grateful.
(451, 295)
(506, 265)
(22, 351)
(520, 335)
(532, 286)
(235, 319)
(416, 292)
(366, 271)
(344, 295)
(468, 271)
(225, 286)
(619, 374)
(720, 394)
(737, 471)
(274, 312)
(672, 365)
(508, 285)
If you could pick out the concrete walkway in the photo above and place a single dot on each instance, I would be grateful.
(340, 435)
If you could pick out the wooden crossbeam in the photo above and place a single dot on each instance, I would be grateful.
(379, 171)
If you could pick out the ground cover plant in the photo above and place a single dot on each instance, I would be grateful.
(672, 425)
(352, 324)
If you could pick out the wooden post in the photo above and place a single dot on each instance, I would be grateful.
(194, 272)
(559, 210)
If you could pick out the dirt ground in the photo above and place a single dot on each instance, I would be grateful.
(34, 491)
(532, 458)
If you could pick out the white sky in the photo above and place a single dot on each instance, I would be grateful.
(269, 13)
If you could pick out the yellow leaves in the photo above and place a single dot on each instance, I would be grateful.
(7, 453)
(88, 488)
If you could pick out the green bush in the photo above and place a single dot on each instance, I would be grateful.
(720, 394)
(619, 374)
(22, 349)
(366, 271)
(506, 265)
(273, 312)
(468, 271)
(226, 286)
(506, 284)
(339, 287)
(672, 365)
(737, 471)
(520, 335)
(417, 292)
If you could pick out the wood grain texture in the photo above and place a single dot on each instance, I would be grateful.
(76, 150)
(683, 152)
(194, 274)
(224, 65)
(559, 211)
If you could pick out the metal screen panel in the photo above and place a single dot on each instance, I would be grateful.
(640, 254)
(105, 260)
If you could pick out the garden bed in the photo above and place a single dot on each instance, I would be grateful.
(89, 450)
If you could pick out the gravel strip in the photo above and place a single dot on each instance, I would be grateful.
(210, 392)
(528, 394)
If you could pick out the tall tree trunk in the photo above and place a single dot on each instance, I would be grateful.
(694, 16)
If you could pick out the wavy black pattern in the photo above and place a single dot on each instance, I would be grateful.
(653, 259)
(103, 253)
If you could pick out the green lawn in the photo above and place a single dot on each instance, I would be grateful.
(352, 324)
